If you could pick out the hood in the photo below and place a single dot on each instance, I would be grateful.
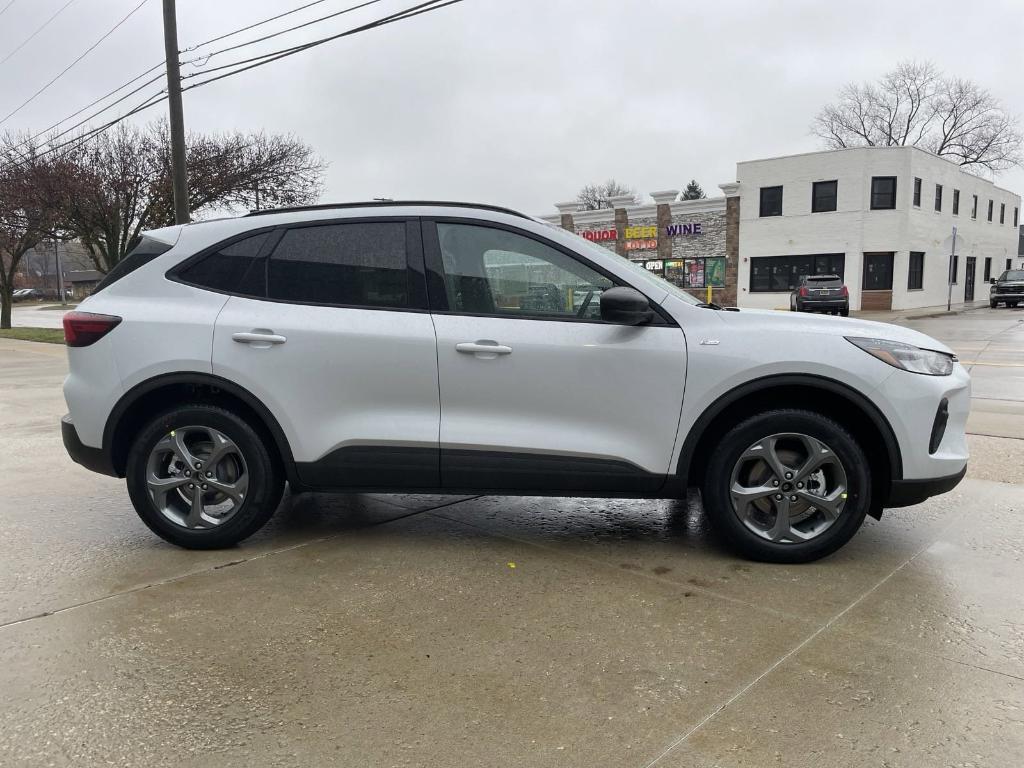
(828, 325)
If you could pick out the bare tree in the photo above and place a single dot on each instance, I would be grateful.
(29, 181)
(122, 182)
(595, 196)
(916, 105)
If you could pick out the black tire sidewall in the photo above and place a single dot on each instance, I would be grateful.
(718, 502)
(265, 484)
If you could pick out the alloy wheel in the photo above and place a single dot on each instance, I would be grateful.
(788, 488)
(197, 477)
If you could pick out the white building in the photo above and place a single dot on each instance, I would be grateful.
(882, 217)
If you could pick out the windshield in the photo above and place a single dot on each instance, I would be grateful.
(1012, 274)
(644, 275)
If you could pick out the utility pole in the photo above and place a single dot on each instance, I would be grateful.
(179, 172)
(952, 273)
(60, 272)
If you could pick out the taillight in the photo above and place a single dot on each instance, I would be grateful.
(844, 291)
(803, 290)
(84, 328)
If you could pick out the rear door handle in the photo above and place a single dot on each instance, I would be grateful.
(484, 349)
(259, 339)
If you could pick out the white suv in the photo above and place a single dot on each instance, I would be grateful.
(455, 348)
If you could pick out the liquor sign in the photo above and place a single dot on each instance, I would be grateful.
(640, 245)
(599, 235)
(641, 233)
(677, 230)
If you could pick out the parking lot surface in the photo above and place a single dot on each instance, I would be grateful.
(483, 631)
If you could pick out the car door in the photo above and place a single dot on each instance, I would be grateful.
(537, 393)
(334, 338)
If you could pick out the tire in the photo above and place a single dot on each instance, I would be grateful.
(845, 311)
(993, 304)
(812, 533)
(244, 469)
(1011, 304)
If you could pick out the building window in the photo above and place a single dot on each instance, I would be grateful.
(956, 202)
(883, 193)
(990, 206)
(955, 268)
(915, 276)
(1009, 263)
(700, 272)
(917, 193)
(974, 208)
(1015, 212)
(938, 197)
(988, 268)
(782, 273)
(1002, 213)
(823, 196)
(771, 201)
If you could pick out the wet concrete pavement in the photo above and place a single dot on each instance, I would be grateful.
(448, 631)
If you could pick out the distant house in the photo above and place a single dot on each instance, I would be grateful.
(82, 281)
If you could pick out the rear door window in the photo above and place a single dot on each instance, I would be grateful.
(235, 268)
(362, 264)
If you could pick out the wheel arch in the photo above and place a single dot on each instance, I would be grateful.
(850, 408)
(149, 397)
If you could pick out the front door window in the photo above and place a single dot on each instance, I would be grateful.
(495, 272)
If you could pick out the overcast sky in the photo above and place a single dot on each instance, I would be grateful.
(521, 102)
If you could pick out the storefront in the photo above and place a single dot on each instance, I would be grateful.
(692, 243)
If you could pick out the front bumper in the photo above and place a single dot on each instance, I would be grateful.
(905, 493)
(1006, 296)
(94, 459)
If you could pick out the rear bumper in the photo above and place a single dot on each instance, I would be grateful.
(905, 493)
(823, 303)
(94, 459)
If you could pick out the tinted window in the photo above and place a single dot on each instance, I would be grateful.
(915, 274)
(823, 196)
(883, 192)
(235, 268)
(824, 281)
(140, 255)
(771, 201)
(495, 272)
(359, 264)
(784, 273)
(1012, 274)
(877, 271)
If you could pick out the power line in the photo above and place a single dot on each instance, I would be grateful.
(32, 36)
(97, 101)
(251, 26)
(66, 69)
(283, 31)
(6, 7)
(161, 95)
(259, 61)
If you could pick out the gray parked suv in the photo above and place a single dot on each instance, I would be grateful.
(1007, 288)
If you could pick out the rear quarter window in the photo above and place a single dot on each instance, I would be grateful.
(140, 256)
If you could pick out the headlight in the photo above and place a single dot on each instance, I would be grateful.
(907, 357)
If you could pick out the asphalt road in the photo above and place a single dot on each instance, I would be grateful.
(438, 631)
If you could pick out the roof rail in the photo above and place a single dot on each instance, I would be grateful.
(388, 204)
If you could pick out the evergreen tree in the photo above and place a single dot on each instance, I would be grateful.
(693, 191)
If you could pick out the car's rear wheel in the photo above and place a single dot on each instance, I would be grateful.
(845, 311)
(787, 486)
(202, 478)
(1011, 304)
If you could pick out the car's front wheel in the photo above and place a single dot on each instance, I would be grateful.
(201, 477)
(992, 304)
(787, 486)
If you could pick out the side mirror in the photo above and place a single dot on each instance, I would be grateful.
(625, 306)
(992, 280)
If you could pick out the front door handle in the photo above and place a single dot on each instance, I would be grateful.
(485, 349)
(259, 339)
